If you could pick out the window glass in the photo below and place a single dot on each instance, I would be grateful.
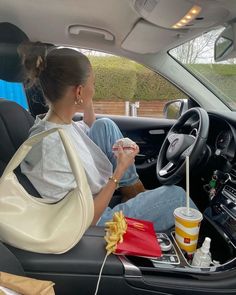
(124, 87)
(14, 92)
(197, 55)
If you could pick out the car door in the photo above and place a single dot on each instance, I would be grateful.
(149, 134)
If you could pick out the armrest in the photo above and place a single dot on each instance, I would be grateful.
(85, 258)
(8, 262)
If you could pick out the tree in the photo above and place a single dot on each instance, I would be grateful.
(197, 50)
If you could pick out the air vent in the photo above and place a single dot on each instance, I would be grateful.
(233, 173)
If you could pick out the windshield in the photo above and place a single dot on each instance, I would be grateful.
(197, 56)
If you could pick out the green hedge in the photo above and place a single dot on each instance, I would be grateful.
(122, 79)
(221, 75)
(151, 86)
(115, 78)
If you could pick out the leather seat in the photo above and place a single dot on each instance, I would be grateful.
(11, 66)
(10, 62)
(15, 123)
(9, 263)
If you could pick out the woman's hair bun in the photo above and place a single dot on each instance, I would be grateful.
(33, 56)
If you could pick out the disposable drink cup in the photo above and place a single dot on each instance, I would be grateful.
(187, 225)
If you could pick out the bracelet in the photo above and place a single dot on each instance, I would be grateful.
(114, 180)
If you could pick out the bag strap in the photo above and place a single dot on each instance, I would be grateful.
(73, 158)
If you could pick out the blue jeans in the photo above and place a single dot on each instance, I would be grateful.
(104, 132)
(155, 205)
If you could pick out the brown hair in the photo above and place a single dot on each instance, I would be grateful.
(55, 70)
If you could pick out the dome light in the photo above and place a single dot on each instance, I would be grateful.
(192, 14)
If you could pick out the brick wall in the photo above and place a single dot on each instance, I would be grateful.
(146, 108)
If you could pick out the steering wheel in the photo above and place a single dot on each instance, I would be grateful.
(187, 137)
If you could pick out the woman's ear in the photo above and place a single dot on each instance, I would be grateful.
(78, 91)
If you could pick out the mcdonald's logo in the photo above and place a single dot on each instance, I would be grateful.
(187, 241)
(139, 226)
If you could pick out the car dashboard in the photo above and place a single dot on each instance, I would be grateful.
(222, 139)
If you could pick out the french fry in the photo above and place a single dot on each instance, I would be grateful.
(115, 229)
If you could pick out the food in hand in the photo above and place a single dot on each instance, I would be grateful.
(126, 143)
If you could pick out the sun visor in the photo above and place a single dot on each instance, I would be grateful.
(148, 38)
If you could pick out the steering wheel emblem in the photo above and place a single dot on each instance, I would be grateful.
(173, 144)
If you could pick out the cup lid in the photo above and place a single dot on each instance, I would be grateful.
(192, 215)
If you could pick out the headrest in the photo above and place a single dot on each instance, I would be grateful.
(10, 63)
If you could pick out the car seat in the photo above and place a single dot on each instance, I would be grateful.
(11, 69)
(10, 62)
(15, 121)
(9, 263)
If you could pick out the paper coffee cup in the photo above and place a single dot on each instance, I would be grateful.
(187, 228)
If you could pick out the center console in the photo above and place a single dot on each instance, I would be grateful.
(76, 271)
(219, 224)
(223, 211)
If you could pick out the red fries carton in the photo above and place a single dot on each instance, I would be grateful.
(137, 237)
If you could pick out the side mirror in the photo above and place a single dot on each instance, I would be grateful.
(175, 108)
(225, 44)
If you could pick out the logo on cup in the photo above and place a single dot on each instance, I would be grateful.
(187, 240)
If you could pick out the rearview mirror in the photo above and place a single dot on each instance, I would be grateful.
(225, 44)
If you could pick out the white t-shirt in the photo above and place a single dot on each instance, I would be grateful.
(48, 168)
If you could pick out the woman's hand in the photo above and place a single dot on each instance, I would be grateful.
(124, 160)
(101, 201)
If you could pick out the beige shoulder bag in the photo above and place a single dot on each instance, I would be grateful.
(38, 225)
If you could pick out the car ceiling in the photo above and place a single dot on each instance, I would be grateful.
(126, 27)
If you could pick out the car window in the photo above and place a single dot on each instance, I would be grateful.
(14, 92)
(197, 55)
(124, 87)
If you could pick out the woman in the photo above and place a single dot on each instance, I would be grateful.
(67, 81)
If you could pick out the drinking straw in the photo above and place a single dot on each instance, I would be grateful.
(187, 184)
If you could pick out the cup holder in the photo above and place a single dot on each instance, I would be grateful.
(222, 251)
